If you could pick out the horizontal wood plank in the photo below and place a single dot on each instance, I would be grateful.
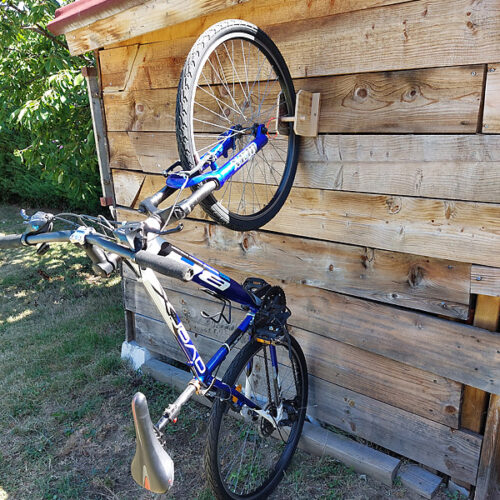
(459, 167)
(410, 35)
(433, 444)
(444, 100)
(262, 13)
(485, 280)
(453, 452)
(412, 281)
(138, 20)
(417, 391)
(455, 230)
(491, 114)
(459, 352)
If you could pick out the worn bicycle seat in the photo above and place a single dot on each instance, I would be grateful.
(152, 468)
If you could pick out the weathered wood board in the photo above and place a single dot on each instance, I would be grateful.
(491, 114)
(412, 281)
(262, 12)
(461, 231)
(453, 350)
(431, 443)
(450, 451)
(485, 280)
(443, 100)
(420, 392)
(410, 35)
(139, 19)
(458, 167)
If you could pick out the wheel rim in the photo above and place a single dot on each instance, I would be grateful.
(237, 84)
(249, 457)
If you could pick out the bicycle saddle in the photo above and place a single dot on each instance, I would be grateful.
(152, 468)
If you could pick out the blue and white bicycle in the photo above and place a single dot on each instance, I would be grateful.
(234, 84)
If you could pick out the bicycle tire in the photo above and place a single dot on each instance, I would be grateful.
(275, 173)
(225, 432)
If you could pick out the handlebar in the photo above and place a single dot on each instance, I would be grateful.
(105, 254)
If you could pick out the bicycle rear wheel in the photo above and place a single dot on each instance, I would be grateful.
(246, 455)
(235, 79)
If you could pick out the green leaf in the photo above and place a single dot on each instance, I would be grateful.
(78, 80)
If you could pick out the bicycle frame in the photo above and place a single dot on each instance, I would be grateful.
(225, 287)
(223, 173)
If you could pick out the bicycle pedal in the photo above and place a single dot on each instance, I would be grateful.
(152, 468)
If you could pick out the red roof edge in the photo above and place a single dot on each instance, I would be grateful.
(78, 11)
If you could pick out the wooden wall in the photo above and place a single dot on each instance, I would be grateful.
(390, 239)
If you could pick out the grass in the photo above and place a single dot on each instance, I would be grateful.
(67, 431)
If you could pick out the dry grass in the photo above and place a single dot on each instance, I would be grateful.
(66, 427)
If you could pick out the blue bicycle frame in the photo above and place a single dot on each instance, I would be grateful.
(224, 287)
(223, 173)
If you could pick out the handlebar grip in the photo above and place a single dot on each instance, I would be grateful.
(10, 241)
(164, 265)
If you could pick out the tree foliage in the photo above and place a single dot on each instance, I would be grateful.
(47, 143)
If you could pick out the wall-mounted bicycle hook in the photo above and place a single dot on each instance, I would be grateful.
(306, 119)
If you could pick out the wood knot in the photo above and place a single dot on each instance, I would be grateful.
(394, 204)
(416, 276)
(362, 93)
(139, 108)
(411, 94)
(245, 243)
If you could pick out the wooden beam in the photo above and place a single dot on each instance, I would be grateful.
(488, 477)
(475, 401)
(491, 115)
(138, 20)
(99, 127)
(418, 479)
(460, 167)
(444, 100)
(436, 445)
(411, 281)
(448, 450)
(455, 230)
(262, 13)
(485, 280)
(414, 390)
(439, 33)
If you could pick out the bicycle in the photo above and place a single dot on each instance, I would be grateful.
(222, 126)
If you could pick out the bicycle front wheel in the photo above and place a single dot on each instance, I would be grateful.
(233, 81)
(246, 453)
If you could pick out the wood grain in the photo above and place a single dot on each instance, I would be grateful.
(444, 100)
(453, 350)
(450, 451)
(417, 391)
(262, 13)
(485, 280)
(488, 477)
(491, 114)
(410, 35)
(459, 167)
(138, 20)
(412, 281)
(455, 230)
(475, 401)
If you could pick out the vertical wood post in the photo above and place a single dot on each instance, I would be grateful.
(475, 402)
(90, 75)
(488, 476)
